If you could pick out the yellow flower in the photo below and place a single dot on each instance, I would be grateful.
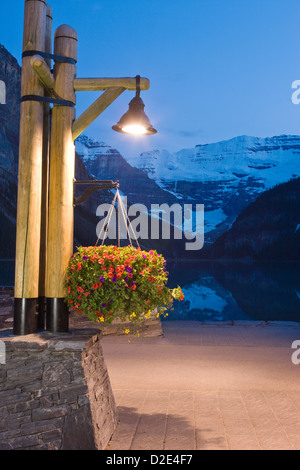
(127, 331)
(132, 315)
(148, 314)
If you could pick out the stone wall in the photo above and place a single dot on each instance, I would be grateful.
(6, 307)
(55, 392)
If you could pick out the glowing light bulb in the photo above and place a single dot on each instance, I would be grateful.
(136, 129)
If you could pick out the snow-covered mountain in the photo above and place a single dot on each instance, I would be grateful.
(225, 176)
(106, 163)
(269, 160)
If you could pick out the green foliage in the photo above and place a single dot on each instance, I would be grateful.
(125, 283)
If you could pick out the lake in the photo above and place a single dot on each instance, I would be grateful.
(7, 272)
(222, 291)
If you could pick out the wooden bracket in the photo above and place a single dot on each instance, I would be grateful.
(93, 187)
(44, 73)
(99, 84)
(88, 116)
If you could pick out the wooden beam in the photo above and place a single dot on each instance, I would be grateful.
(30, 159)
(99, 84)
(30, 175)
(43, 72)
(88, 116)
(45, 181)
(62, 168)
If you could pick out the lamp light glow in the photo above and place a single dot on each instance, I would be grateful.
(136, 129)
(135, 121)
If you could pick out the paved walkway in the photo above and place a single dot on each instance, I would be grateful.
(206, 387)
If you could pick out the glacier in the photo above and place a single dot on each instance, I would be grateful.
(225, 176)
(270, 160)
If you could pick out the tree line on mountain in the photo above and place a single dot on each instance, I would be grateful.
(267, 229)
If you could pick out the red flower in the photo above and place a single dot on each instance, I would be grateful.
(114, 261)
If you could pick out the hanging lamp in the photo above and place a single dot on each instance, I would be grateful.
(135, 121)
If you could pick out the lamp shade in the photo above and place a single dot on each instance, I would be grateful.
(135, 120)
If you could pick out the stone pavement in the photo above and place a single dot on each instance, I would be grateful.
(212, 387)
(223, 386)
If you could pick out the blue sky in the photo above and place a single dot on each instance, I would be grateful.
(217, 68)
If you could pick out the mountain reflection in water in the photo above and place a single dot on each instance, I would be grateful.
(222, 291)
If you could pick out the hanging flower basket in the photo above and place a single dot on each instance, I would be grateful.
(125, 283)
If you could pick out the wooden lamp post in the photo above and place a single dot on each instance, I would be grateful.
(45, 208)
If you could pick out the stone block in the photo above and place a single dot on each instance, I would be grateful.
(55, 392)
(54, 374)
(40, 414)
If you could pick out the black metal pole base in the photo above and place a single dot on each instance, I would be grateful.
(25, 316)
(57, 315)
(41, 321)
